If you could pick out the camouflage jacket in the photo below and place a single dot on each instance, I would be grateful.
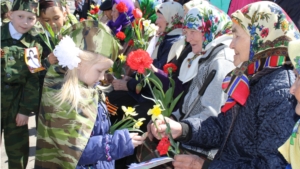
(14, 71)
(62, 134)
(76, 139)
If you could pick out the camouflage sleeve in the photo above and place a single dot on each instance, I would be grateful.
(107, 147)
(30, 95)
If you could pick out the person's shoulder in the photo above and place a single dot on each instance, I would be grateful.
(273, 79)
(5, 32)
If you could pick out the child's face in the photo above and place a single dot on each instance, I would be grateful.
(90, 74)
(22, 21)
(54, 16)
(295, 90)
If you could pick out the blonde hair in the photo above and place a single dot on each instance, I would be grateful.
(72, 91)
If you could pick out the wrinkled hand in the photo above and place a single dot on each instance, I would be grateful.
(188, 162)
(52, 59)
(136, 139)
(176, 128)
(153, 68)
(120, 84)
(126, 78)
(21, 120)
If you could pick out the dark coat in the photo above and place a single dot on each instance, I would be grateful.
(249, 136)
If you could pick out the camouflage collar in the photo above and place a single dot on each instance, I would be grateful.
(26, 39)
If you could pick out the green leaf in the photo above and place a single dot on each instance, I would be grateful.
(157, 84)
(173, 104)
(169, 96)
(135, 130)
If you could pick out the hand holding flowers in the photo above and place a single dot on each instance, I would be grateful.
(128, 122)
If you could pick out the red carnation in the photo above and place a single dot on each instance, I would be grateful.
(121, 7)
(264, 32)
(96, 9)
(139, 60)
(170, 67)
(121, 35)
(137, 13)
(82, 19)
(163, 146)
(92, 12)
(131, 42)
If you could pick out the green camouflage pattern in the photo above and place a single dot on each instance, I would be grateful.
(62, 134)
(94, 36)
(19, 94)
(5, 6)
(26, 5)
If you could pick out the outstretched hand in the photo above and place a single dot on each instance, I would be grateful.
(159, 130)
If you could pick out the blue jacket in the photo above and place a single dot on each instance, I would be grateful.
(101, 144)
(249, 136)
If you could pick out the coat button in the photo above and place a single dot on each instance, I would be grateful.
(14, 42)
(8, 75)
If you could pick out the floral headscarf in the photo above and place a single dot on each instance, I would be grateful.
(148, 9)
(215, 26)
(123, 19)
(173, 13)
(270, 30)
(193, 3)
(208, 19)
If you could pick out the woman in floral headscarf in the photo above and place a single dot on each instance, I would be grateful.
(208, 30)
(259, 114)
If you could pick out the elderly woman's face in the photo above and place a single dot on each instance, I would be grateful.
(114, 13)
(194, 37)
(240, 44)
(161, 22)
(295, 90)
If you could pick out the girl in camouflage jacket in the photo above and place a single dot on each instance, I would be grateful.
(73, 126)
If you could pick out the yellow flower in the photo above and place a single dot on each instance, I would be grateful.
(139, 122)
(122, 57)
(110, 70)
(284, 25)
(155, 112)
(92, 6)
(129, 111)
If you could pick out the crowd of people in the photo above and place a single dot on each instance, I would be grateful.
(236, 74)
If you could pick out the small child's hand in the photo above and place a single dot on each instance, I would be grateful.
(52, 59)
(136, 139)
(21, 120)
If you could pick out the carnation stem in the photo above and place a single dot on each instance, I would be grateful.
(147, 81)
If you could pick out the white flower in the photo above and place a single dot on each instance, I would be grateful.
(146, 24)
(67, 53)
(152, 29)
